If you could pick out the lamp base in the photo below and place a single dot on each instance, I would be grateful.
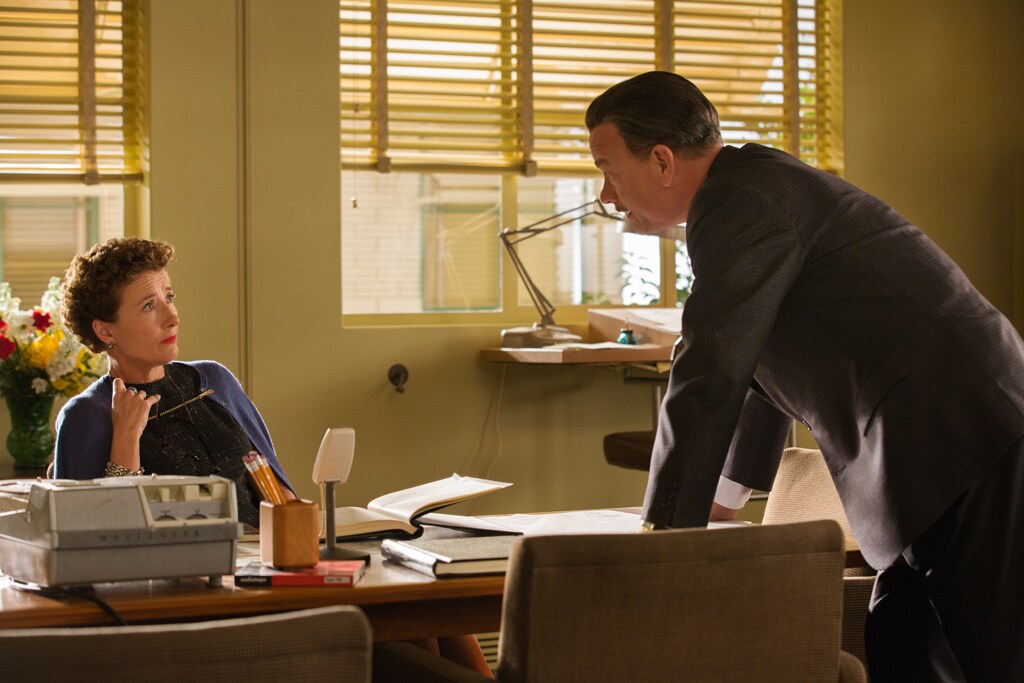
(340, 553)
(537, 336)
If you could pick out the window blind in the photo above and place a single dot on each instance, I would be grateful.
(828, 51)
(502, 85)
(70, 102)
(430, 84)
(579, 49)
(756, 60)
(40, 236)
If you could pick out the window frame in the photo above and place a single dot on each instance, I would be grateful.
(825, 87)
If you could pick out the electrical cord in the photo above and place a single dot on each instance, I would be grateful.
(63, 592)
(497, 423)
(500, 394)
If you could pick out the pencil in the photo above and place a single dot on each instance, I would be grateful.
(275, 488)
(254, 469)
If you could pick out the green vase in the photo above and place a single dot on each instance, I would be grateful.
(30, 442)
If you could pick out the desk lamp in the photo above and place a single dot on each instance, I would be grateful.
(546, 332)
(332, 465)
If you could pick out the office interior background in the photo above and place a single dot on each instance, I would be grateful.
(243, 180)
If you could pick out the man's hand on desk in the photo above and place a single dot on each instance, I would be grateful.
(720, 513)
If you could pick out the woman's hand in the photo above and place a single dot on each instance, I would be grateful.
(129, 409)
(129, 413)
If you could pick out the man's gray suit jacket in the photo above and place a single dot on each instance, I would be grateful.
(815, 301)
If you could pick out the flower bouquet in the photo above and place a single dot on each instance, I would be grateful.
(39, 361)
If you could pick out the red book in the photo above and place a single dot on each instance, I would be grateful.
(324, 573)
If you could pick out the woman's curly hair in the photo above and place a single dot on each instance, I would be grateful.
(93, 282)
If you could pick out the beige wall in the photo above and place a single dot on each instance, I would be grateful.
(245, 184)
(934, 105)
(197, 177)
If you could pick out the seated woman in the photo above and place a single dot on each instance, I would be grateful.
(153, 413)
(150, 412)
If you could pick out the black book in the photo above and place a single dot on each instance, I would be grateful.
(463, 556)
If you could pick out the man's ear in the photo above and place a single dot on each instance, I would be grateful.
(666, 163)
(102, 331)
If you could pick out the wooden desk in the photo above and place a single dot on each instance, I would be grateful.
(400, 603)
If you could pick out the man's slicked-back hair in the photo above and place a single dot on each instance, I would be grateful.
(658, 108)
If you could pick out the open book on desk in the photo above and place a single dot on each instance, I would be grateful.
(403, 511)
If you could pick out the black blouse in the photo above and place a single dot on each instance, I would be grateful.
(195, 438)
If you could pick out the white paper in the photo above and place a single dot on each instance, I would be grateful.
(576, 522)
(465, 522)
(581, 522)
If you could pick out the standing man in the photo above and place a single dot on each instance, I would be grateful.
(815, 301)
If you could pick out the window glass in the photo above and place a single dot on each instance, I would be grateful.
(420, 242)
(428, 242)
(42, 227)
(588, 260)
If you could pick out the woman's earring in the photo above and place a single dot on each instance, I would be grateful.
(111, 345)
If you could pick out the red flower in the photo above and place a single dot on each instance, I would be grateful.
(6, 347)
(40, 320)
(3, 325)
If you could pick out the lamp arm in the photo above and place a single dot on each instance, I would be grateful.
(592, 208)
(540, 302)
(510, 237)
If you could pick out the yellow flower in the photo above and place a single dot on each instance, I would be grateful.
(68, 386)
(40, 352)
(82, 361)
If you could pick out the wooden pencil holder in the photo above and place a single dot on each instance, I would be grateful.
(290, 534)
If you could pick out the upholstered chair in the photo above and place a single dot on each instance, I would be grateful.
(750, 603)
(803, 490)
(323, 644)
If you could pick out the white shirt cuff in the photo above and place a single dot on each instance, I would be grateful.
(732, 495)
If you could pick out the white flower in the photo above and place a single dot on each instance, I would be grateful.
(40, 385)
(60, 365)
(19, 326)
(8, 303)
(50, 301)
